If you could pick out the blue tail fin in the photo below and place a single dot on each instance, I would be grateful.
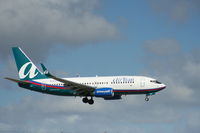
(26, 69)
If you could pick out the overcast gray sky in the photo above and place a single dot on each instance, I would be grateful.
(98, 37)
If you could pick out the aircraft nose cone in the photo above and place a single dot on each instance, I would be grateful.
(164, 86)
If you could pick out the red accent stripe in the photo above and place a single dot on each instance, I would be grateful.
(138, 90)
(50, 86)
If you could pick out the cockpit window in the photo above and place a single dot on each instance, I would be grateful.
(155, 81)
(158, 82)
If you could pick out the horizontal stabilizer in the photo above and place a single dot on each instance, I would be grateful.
(17, 81)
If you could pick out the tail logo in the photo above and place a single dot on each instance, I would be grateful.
(32, 71)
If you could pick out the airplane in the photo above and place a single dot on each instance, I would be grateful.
(106, 87)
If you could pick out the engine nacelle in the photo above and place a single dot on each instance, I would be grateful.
(104, 92)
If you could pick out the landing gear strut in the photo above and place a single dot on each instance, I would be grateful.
(86, 100)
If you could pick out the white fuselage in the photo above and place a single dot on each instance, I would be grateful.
(114, 82)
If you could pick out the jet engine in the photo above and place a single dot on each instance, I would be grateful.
(103, 92)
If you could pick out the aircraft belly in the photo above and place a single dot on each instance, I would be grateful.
(48, 90)
(134, 91)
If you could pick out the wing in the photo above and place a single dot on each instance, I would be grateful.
(80, 89)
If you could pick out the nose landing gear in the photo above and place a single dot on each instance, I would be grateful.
(146, 98)
(86, 100)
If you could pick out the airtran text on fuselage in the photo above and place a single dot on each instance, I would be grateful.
(123, 80)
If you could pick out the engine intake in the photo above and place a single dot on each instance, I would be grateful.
(103, 92)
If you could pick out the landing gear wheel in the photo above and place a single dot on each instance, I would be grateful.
(85, 100)
(91, 101)
(146, 99)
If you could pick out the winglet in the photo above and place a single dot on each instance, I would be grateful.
(45, 71)
(43, 67)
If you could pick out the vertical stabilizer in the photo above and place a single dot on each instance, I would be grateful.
(26, 69)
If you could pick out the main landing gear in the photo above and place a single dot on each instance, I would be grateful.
(86, 100)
